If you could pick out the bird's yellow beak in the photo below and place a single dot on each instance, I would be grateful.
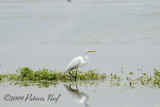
(91, 51)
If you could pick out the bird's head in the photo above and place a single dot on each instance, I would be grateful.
(89, 51)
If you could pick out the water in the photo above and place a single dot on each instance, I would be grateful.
(46, 33)
(50, 33)
(94, 96)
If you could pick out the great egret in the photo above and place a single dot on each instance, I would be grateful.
(77, 63)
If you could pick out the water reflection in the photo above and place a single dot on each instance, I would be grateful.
(79, 96)
(47, 84)
(69, 1)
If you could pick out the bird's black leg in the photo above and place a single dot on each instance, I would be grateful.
(71, 74)
(76, 76)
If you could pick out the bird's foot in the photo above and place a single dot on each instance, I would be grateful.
(75, 78)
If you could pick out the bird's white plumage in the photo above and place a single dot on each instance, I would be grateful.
(78, 62)
(75, 63)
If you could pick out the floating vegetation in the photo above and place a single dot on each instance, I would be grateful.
(40, 83)
(1, 76)
(156, 78)
(131, 81)
(26, 74)
(114, 80)
(44, 78)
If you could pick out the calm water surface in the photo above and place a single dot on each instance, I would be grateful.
(83, 96)
(49, 33)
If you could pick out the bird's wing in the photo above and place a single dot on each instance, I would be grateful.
(74, 64)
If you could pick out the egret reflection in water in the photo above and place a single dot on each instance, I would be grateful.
(69, 1)
(80, 97)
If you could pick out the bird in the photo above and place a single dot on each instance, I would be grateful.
(79, 96)
(77, 63)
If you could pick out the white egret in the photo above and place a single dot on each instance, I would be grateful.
(77, 63)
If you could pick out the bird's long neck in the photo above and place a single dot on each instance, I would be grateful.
(86, 60)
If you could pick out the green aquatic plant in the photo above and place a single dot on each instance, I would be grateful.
(1, 77)
(144, 79)
(156, 78)
(40, 83)
(44, 78)
(131, 80)
(26, 74)
(114, 80)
